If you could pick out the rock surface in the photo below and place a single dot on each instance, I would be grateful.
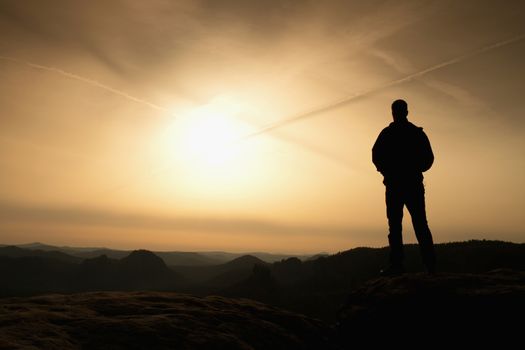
(448, 308)
(153, 320)
(406, 311)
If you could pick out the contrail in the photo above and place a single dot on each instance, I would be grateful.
(308, 147)
(87, 81)
(348, 99)
(289, 120)
(97, 84)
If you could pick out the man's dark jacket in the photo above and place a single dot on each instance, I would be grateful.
(402, 152)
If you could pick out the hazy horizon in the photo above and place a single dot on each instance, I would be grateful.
(20, 244)
(312, 253)
(178, 125)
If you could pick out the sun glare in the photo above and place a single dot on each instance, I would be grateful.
(209, 135)
(206, 135)
(201, 146)
(201, 154)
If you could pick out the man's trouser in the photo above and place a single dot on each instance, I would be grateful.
(413, 196)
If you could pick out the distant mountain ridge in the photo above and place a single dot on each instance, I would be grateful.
(317, 287)
(313, 287)
(17, 252)
(208, 279)
(140, 270)
(34, 272)
(173, 258)
(28, 271)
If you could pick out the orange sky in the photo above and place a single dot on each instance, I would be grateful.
(123, 123)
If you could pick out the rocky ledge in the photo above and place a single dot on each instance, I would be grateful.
(153, 320)
(443, 308)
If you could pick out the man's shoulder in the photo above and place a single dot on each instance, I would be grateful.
(414, 126)
(389, 128)
(416, 130)
(407, 127)
(396, 127)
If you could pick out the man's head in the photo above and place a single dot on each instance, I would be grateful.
(399, 110)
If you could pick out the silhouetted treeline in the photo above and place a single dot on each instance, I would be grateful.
(318, 287)
(314, 287)
(27, 275)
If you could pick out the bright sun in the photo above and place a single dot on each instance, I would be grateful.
(202, 152)
(206, 135)
(209, 135)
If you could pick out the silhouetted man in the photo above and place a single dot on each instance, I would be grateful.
(401, 153)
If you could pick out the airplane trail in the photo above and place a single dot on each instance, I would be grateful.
(307, 146)
(292, 119)
(348, 99)
(87, 81)
(97, 84)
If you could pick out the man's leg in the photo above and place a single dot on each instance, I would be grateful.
(415, 202)
(394, 213)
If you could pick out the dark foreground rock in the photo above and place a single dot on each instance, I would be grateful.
(414, 310)
(153, 320)
(445, 308)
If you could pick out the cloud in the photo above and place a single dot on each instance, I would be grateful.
(351, 98)
(86, 81)
(290, 60)
(13, 212)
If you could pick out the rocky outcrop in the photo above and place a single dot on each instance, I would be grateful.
(153, 320)
(448, 308)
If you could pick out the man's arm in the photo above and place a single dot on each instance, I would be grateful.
(378, 152)
(427, 156)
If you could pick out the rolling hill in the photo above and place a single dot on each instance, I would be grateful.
(173, 258)
(313, 287)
